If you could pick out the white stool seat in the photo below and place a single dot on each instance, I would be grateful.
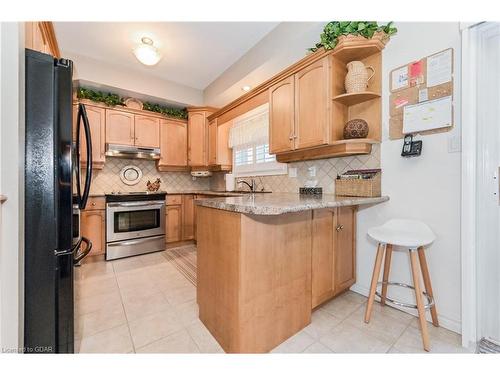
(402, 232)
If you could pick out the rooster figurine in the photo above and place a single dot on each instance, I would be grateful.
(153, 186)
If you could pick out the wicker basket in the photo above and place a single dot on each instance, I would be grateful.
(359, 188)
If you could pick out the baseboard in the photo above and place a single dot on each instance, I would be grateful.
(445, 322)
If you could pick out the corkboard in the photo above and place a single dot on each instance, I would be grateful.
(401, 97)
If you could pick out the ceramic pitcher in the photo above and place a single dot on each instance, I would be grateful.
(357, 77)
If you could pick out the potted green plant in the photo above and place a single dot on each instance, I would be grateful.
(336, 32)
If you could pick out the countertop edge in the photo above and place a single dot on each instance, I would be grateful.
(271, 210)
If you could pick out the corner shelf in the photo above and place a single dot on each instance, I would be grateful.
(356, 98)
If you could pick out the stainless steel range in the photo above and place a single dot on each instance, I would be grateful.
(135, 224)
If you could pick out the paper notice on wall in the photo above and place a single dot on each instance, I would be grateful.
(433, 114)
(439, 68)
(399, 78)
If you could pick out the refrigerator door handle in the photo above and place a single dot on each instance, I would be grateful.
(80, 255)
(82, 115)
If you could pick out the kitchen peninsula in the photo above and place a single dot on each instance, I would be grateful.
(266, 260)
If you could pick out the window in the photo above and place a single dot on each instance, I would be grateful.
(249, 139)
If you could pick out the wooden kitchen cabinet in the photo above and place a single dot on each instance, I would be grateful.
(173, 145)
(40, 36)
(97, 118)
(120, 127)
(147, 131)
(312, 120)
(220, 156)
(281, 116)
(188, 219)
(173, 223)
(198, 136)
(93, 227)
(299, 109)
(333, 252)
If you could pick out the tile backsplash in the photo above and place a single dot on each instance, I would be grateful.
(108, 179)
(326, 173)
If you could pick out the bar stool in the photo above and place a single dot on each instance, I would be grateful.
(413, 235)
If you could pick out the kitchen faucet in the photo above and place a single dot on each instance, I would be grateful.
(252, 186)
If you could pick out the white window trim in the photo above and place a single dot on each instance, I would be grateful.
(260, 169)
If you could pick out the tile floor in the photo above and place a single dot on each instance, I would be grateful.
(144, 304)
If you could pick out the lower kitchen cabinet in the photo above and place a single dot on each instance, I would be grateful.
(93, 227)
(333, 252)
(173, 223)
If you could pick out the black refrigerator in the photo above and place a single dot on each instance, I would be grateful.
(53, 198)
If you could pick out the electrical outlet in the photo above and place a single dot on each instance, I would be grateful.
(312, 171)
(292, 172)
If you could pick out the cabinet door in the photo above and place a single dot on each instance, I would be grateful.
(174, 223)
(147, 131)
(92, 223)
(188, 217)
(312, 105)
(173, 144)
(345, 249)
(197, 139)
(322, 256)
(224, 153)
(96, 118)
(119, 127)
(281, 116)
(212, 142)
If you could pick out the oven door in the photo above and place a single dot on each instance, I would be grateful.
(129, 220)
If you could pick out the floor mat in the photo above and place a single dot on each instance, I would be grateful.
(184, 259)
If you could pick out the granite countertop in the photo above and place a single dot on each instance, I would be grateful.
(282, 203)
(200, 192)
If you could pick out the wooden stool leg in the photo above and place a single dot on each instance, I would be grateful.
(387, 268)
(373, 287)
(420, 302)
(427, 284)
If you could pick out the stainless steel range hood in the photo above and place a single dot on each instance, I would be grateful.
(132, 152)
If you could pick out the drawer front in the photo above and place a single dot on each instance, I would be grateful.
(174, 199)
(96, 203)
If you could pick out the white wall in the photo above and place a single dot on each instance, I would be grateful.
(283, 46)
(12, 184)
(426, 188)
(106, 74)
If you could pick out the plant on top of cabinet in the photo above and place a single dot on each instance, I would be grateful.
(336, 30)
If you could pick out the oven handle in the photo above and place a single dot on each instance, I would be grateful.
(137, 204)
(134, 242)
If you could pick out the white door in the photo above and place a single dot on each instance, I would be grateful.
(488, 180)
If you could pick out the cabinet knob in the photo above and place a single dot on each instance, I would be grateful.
(339, 228)
(291, 137)
(93, 203)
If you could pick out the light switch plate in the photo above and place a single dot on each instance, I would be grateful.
(454, 144)
(292, 172)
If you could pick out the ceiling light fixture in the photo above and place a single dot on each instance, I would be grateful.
(146, 53)
(246, 88)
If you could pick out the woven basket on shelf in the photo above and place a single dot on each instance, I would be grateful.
(359, 187)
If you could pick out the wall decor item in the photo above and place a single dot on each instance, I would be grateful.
(357, 77)
(99, 96)
(153, 186)
(356, 128)
(336, 32)
(418, 89)
(130, 175)
(133, 103)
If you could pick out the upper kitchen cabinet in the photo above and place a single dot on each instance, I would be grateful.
(120, 127)
(198, 136)
(173, 145)
(97, 118)
(147, 131)
(281, 116)
(40, 36)
(220, 156)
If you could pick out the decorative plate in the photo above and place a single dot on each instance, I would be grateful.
(130, 175)
(133, 103)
